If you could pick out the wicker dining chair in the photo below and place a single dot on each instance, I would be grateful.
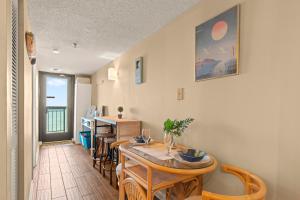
(255, 188)
(114, 151)
(133, 190)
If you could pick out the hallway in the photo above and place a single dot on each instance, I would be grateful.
(65, 172)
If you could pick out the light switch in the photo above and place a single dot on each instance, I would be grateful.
(180, 94)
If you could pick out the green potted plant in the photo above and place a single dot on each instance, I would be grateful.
(174, 128)
(120, 109)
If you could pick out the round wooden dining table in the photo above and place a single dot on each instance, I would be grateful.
(155, 169)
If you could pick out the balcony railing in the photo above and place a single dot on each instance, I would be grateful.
(56, 119)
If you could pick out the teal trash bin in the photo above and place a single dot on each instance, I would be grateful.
(85, 139)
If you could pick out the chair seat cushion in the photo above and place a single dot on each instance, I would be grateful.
(194, 198)
(128, 163)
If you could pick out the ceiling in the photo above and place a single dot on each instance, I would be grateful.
(103, 29)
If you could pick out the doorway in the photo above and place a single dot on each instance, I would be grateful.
(56, 104)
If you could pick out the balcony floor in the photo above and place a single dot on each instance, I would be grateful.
(65, 172)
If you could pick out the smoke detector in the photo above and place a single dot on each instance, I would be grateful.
(56, 69)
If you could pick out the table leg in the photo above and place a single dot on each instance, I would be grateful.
(93, 147)
(168, 193)
(122, 177)
(93, 132)
(107, 157)
(200, 184)
(102, 154)
(149, 183)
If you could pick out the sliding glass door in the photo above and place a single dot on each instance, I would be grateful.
(56, 107)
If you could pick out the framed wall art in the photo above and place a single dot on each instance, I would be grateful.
(139, 70)
(217, 46)
(30, 46)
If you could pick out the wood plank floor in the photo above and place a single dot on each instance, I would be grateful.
(65, 172)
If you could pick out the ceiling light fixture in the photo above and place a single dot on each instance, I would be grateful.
(55, 51)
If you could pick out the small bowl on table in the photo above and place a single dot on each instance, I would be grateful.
(191, 155)
(139, 139)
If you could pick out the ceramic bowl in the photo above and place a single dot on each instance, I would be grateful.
(190, 157)
(139, 139)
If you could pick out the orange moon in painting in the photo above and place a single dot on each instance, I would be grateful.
(219, 30)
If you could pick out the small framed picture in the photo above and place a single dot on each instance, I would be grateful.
(30, 45)
(139, 70)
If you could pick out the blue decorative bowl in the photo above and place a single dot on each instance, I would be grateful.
(139, 139)
(190, 157)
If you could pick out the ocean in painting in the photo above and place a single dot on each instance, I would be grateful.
(217, 46)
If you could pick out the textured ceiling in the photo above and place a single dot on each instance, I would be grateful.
(98, 26)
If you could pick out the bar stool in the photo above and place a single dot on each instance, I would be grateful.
(108, 154)
(99, 152)
(104, 149)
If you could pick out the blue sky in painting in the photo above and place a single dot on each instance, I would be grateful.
(57, 87)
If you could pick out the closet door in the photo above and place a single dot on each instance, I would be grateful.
(14, 97)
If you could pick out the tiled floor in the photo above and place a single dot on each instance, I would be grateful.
(65, 172)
